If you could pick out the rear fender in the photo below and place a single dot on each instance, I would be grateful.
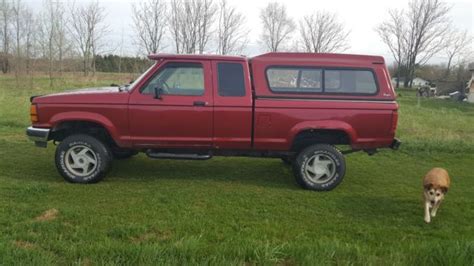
(322, 124)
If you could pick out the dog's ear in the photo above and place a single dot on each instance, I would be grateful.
(444, 189)
(428, 186)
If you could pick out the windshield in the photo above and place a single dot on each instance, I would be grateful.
(137, 80)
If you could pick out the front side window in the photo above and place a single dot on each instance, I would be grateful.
(294, 79)
(178, 79)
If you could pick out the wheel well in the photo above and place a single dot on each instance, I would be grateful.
(65, 129)
(313, 136)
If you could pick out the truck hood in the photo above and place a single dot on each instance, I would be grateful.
(89, 90)
(102, 95)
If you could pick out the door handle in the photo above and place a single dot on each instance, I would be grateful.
(199, 103)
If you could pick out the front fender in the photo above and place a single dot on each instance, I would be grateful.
(59, 118)
(322, 124)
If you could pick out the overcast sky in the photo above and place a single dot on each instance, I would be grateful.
(360, 17)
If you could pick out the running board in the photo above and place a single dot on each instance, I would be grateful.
(177, 156)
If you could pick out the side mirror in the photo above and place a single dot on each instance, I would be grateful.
(158, 93)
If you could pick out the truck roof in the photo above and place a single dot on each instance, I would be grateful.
(197, 57)
(317, 57)
(278, 57)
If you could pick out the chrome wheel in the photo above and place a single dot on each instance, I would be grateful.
(320, 168)
(81, 160)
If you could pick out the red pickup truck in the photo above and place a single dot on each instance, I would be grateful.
(293, 106)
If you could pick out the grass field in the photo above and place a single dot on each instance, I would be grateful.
(237, 210)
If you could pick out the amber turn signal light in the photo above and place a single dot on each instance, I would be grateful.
(33, 113)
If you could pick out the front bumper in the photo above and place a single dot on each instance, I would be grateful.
(395, 144)
(39, 135)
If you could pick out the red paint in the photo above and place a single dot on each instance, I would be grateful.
(141, 121)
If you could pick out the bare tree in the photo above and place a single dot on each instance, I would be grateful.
(175, 24)
(30, 24)
(18, 27)
(423, 26)
(277, 26)
(321, 32)
(191, 24)
(5, 34)
(121, 51)
(458, 44)
(393, 33)
(428, 25)
(47, 32)
(61, 38)
(23, 31)
(232, 35)
(150, 21)
(206, 10)
(87, 29)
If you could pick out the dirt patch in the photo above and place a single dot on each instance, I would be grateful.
(85, 262)
(151, 236)
(23, 244)
(48, 215)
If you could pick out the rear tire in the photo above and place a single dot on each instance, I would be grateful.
(82, 159)
(319, 167)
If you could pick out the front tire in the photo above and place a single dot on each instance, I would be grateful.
(82, 159)
(319, 167)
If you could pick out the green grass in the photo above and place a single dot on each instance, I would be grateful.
(435, 125)
(238, 210)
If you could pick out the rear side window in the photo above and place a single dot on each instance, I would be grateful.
(310, 80)
(231, 80)
(349, 81)
(295, 80)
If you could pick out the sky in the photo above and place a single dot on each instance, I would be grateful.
(360, 17)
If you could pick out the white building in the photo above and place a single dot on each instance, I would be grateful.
(417, 82)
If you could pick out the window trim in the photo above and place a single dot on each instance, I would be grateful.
(163, 67)
(219, 79)
(323, 80)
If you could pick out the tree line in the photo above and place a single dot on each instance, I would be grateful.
(65, 32)
(50, 37)
(62, 31)
(192, 25)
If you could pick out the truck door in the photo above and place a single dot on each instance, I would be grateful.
(182, 114)
(232, 105)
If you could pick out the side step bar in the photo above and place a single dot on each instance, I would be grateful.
(177, 156)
